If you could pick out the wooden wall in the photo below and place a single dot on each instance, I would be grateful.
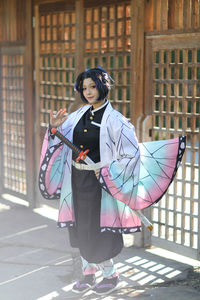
(166, 15)
(16, 34)
(159, 16)
(12, 20)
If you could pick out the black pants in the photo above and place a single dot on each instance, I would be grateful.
(95, 246)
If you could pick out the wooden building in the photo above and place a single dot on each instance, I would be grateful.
(152, 50)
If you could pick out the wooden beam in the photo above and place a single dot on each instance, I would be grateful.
(57, 6)
(172, 32)
(28, 105)
(39, 2)
(137, 63)
(92, 3)
(180, 40)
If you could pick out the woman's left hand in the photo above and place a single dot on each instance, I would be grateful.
(97, 172)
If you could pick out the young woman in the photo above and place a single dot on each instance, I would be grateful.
(97, 201)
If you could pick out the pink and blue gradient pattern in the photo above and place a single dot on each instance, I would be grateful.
(159, 163)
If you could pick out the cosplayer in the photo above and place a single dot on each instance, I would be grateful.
(97, 201)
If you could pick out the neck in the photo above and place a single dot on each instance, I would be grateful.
(98, 104)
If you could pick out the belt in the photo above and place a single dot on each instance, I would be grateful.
(92, 167)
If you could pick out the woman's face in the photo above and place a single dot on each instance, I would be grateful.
(90, 92)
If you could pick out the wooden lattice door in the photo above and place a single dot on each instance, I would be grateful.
(56, 61)
(13, 149)
(176, 111)
(107, 42)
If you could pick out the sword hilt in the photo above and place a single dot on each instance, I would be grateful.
(81, 154)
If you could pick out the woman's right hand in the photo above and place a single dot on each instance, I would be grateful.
(57, 119)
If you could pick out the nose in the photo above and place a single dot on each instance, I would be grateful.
(88, 91)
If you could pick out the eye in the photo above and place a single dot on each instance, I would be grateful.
(94, 86)
(84, 89)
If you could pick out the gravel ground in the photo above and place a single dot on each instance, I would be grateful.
(193, 279)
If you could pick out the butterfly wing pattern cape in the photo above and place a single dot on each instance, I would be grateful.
(159, 163)
(134, 175)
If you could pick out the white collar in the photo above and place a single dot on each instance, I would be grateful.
(98, 108)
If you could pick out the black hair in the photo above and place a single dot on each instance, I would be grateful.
(101, 79)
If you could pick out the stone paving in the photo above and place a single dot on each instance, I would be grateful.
(37, 263)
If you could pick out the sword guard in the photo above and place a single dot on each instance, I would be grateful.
(53, 130)
(82, 155)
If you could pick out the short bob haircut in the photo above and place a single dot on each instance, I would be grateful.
(101, 79)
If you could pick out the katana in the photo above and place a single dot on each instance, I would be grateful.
(82, 155)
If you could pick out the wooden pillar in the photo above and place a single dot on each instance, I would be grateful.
(79, 55)
(7, 20)
(149, 16)
(137, 63)
(37, 128)
(164, 15)
(148, 87)
(1, 130)
(12, 7)
(187, 14)
(3, 12)
(28, 105)
(137, 98)
(198, 251)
